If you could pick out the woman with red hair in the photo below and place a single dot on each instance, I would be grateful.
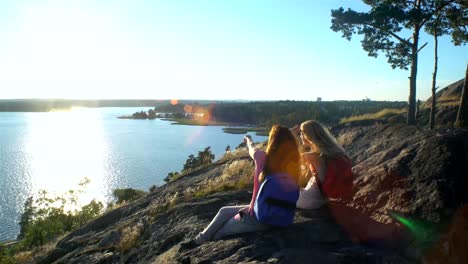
(281, 157)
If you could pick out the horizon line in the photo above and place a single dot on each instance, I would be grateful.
(220, 100)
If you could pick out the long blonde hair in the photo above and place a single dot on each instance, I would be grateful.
(321, 139)
(282, 154)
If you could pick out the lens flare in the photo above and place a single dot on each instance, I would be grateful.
(204, 114)
(421, 230)
(194, 136)
(188, 109)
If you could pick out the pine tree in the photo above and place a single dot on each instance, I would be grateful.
(384, 27)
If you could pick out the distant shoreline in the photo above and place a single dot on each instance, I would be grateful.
(48, 105)
(229, 128)
(195, 122)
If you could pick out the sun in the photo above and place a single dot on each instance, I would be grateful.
(70, 141)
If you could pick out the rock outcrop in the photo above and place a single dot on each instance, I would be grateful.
(409, 170)
(412, 172)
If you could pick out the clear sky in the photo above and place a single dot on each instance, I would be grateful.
(204, 49)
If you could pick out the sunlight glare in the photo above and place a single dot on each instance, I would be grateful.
(70, 142)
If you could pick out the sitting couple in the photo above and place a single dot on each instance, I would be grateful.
(281, 158)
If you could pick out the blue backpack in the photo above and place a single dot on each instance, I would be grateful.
(276, 200)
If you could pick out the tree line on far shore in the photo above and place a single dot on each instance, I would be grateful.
(288, 113)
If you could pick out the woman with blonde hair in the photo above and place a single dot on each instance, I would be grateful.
(329, 164)
(332, 182)
(281, 158)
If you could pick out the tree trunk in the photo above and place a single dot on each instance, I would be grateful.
(434, 78)
(462, 116)
(418, 105)
(411, 118)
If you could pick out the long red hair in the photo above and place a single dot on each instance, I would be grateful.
(282, 154)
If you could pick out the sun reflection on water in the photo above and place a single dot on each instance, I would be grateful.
(64, 148)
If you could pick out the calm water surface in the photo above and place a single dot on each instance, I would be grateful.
(56, 150)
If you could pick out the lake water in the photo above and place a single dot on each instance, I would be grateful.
(54, 151)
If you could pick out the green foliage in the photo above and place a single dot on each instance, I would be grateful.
(190, 163)
(170, 108)
(455, 20)
(241, 145)
(151, 114)
(26, 217)
(393, 27)
(386, 19)
(379, 28)
(287, 113)
(140, 115)
(172, 176)
(127, 195)
(46, 218)
(6, 257)
(204, 158)
(290, 113)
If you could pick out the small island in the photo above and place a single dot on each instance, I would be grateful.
(196, 119)
(151, 114)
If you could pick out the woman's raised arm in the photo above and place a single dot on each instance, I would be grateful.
(250, 145)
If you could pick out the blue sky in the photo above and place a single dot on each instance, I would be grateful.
(205, 49)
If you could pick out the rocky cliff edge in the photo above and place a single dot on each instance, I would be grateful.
(408, 185)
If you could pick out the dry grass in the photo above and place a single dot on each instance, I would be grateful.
(154, 211)
(24, 257)
(379, 115)
(30, 256)
(448, 100)
(240, 153)
(129, 237)
(113, 206)
(168, 257)
(162, 206)
(449, 103)
(234, 154)
(236, 175)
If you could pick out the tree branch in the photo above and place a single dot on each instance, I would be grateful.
(402, 40)
(422, 47)
(437, 11)
(407, 42)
